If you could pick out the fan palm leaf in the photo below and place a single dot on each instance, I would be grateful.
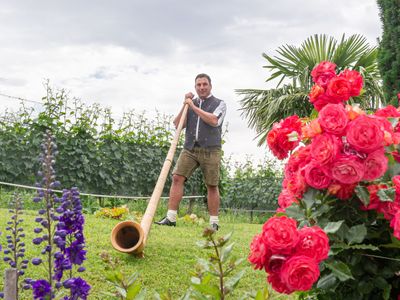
(292, 66)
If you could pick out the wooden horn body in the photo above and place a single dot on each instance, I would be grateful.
(129, 236)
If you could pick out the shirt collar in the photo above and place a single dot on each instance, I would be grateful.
(209, 96)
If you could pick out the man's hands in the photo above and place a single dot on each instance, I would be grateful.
(188, 99)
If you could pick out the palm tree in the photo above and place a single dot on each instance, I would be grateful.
(293, 66)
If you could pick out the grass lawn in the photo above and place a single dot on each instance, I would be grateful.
(170, 256)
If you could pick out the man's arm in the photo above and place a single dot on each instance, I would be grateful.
(207, 117)
(178, 117)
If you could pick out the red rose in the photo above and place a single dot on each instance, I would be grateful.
(275, 263)
(284, 136)
(285, 199)
(323, 73)
(388, 112)
(396, 156)
(347, 169)
(374, 201)
(355, 81)
(333, 118)
(338, 90)
(342, 191)
(276, 282)
(296, 184)
(316, 177)
(297, 160)
(259, 253)
(300, 272)
(313, 242)
(396, 182)
(395, 224)
(365, 134)
(325, 148)
(280, 234)
(376, 165)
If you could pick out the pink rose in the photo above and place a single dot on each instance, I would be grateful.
(313, 242)
(316, 177)
(323, 73)
(325, 148)
(365, 134)
(280, 234)
(259, 253)
(333, 118)
(355, 81)
(275, 281)
(376, 165)
(338, 90)
(300, 272)
(347, 169)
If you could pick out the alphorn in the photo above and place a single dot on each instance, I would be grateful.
(129, 236)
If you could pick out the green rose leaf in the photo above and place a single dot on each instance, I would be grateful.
(340, 270)
(363, 194)
(333, 227)
(326, 282)
(387, 194)
(356, 234)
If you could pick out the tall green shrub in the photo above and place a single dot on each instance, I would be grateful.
(389, 50)
(97, 153)
(253, 187)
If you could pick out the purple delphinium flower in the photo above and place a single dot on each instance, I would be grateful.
(41, 290)
(69, 235)
(15, 252)
(60, 230)
(78, 287)
(47, 214)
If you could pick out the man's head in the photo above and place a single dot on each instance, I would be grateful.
(203, 85)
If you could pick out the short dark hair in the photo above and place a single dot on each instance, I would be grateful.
(203, 75)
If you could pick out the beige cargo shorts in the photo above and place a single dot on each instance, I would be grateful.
(209, 161)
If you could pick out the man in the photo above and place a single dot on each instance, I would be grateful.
(202, 149)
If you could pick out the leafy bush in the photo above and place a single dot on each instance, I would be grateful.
(253, 187)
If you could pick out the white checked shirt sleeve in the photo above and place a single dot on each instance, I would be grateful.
(220, 112)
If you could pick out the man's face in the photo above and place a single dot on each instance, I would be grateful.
(203, 87)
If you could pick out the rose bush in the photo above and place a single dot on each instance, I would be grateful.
(337, 229)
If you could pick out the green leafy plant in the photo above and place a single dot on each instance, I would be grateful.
(219, 265)
(126, 287)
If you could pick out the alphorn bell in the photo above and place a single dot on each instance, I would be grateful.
(129, 236)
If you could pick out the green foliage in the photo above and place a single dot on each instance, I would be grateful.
(361, 247)
(389, 52)
(292, 67)
(126, 287)
(96, 153)
(253, 187)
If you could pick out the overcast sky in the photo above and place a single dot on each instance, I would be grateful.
(144, 55)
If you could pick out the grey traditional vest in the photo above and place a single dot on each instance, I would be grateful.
(208, 136)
